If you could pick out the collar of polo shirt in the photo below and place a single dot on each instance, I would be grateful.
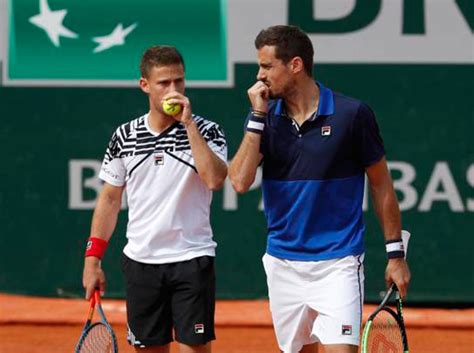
(325, 107)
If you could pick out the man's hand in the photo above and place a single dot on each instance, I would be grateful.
(93, 276)
(259, 95)
(185, 116)
(397, 272)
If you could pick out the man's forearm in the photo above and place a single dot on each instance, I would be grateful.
(105, 216)
(387, 210)
(103, 225)
(244, 165)
(212, 170)
(384, 199)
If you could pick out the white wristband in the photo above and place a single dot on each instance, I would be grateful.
(394, 249)
(256, 125)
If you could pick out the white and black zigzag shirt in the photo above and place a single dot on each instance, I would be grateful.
(168, 216)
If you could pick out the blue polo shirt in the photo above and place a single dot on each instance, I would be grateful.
(313, 178)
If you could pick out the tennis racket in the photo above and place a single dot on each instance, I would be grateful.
(385, 330)
(97, 337)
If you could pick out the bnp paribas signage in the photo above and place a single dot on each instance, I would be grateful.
(99, 43)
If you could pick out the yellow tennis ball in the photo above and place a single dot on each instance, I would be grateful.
(171, 109)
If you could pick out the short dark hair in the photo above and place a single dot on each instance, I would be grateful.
(159, 55)
(289, 41)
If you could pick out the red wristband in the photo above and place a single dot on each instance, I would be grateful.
(96, 247)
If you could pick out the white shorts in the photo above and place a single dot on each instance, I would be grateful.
(315, 301)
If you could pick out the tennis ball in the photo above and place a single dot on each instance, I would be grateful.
(171, 109)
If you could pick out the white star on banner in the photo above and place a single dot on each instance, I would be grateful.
(117, 37)
(52, 23)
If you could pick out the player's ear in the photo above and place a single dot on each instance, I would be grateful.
(144, 85)
(296, 64)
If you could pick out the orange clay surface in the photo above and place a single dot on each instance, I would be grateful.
(33, 325)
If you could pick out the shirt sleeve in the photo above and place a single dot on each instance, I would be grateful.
(215, 138)
(113, 170)
(369, 143)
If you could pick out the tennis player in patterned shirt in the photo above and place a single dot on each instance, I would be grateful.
(169, 166)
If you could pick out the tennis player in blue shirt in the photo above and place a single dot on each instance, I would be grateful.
(316, 146)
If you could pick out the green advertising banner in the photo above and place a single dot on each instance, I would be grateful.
(54, 140)
(80, 41)
(70, 73)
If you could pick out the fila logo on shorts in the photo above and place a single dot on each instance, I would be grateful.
(346, 330)
(199, 328)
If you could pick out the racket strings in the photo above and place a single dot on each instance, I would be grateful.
(385, 335)
(98, 340)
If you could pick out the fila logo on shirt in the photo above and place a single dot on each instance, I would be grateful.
(199, 328)
(159, 158)
(326, 131)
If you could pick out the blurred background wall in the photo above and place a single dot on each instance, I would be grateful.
(67, 82)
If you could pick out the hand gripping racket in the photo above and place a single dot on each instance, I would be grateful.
(97, 337)
(385, 330)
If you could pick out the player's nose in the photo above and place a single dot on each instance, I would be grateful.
(261, 75)
(173, 87)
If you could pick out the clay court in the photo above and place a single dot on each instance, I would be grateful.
(34, 325)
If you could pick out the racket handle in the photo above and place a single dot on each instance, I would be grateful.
(96, 295)
(387, 296)
(92, 302)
